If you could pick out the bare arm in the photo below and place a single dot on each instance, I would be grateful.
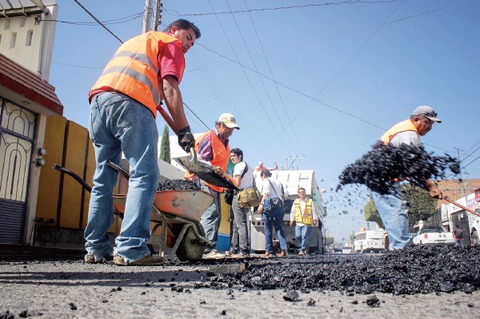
(237, 179)
(435, 192)
(173, 99)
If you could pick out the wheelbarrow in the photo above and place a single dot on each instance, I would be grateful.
(175, 211)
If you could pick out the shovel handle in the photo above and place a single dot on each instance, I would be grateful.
(167, 118)
(461, 206)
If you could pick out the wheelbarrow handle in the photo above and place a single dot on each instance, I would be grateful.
(193, 153)
(74, 175)
(118, 168)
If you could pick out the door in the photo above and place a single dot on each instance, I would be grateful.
(17, 132)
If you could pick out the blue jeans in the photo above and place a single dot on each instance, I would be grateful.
(274, 218)
(393, 210)
(119, 124)
(212, 217)
(302, 234)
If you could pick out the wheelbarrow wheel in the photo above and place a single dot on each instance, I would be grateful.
(190, 248)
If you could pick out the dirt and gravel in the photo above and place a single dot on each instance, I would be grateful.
(419, 282)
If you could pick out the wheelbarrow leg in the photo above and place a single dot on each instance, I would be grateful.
(179, 238)
(163, 235)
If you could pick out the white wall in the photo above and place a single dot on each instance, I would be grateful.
(28, 40)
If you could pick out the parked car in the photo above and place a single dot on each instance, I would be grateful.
(434, 235)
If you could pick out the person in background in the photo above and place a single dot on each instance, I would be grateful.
(123, 106)
(304, 215)
(213, 146)
(233, 227)
(392, 207)
(458, 234)
(243, 177)
(261, 167)
(272, 217)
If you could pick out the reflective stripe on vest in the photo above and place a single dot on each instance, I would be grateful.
(134, 69)
(404, 126)
(307, 217)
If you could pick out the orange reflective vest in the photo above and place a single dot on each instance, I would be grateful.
(134, 69)
(406, 125)
(221, 155)
(307, 217)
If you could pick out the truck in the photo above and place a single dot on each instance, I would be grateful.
(369, 241)
(291, 181)
(464, 224)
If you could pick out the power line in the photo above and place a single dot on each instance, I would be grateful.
(98, 21)
(285, 7)
(273, 77)
(105, 22)
(245, 73)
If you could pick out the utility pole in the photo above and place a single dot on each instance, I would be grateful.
(147, 17)
(462, 190)
(157, 20)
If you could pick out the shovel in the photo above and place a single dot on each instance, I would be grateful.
(204, 170)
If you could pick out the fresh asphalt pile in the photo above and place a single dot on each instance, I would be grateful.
(384, 165)
(414, 270)
(177, 184)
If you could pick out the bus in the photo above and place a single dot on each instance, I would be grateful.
(369, 241)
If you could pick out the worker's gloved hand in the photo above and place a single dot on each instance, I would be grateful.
(186, 139)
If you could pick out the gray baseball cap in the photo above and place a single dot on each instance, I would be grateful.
(428, 112)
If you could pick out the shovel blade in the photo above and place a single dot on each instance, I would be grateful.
(204, 172)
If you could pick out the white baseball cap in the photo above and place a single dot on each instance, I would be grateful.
(229, 120)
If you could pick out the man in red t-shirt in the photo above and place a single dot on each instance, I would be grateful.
(144, 71)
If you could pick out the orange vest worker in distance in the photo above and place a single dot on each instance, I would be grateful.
(213, 146)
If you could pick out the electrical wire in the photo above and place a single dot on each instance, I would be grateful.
(286, 7)
(98, 21)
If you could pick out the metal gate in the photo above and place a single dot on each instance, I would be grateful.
(17, 132)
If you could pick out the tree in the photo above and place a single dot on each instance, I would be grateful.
(421, 206)
(371, 213)
(165, 145)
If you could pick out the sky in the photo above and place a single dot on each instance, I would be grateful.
(312, 84)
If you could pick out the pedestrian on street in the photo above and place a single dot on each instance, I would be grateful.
(243, 177)
(123, 106)
(304, 215)
(393, 207)
(272, 213)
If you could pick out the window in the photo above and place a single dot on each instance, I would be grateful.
(7, 24)
(13, 40)
(29, 38)
(22, 22)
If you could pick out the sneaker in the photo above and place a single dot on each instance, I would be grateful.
(150, 260)
(214, 254)
(301, 253)
(283, 253)
(92, 259)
